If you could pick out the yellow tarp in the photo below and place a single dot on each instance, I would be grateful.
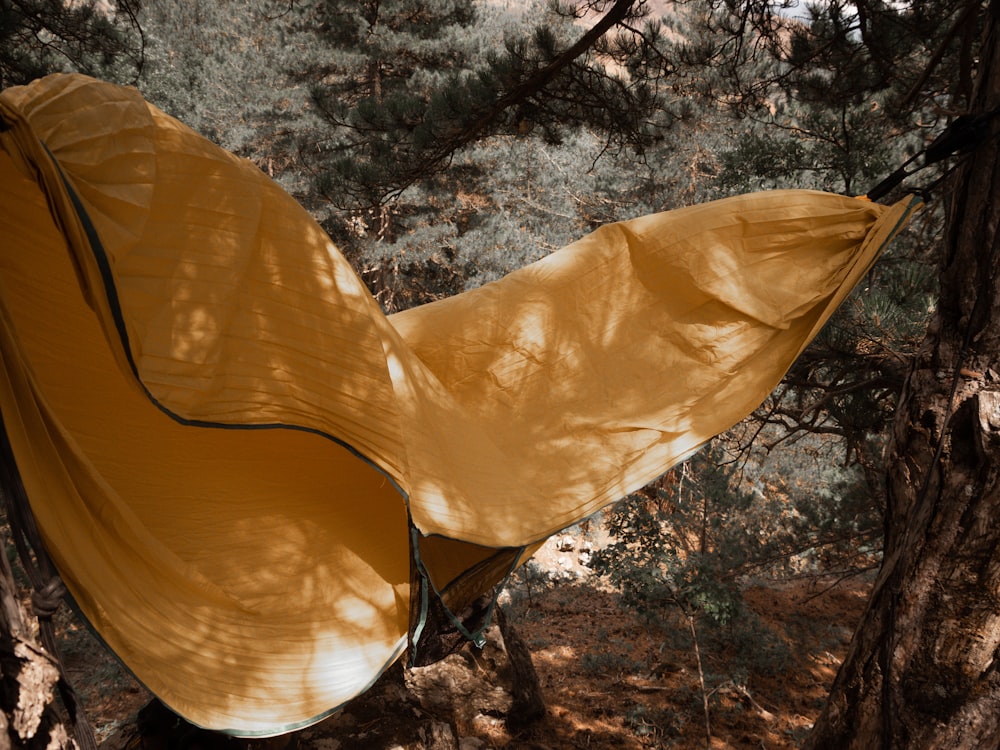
(223, 437)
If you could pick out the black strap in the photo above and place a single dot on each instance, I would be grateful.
(963, 136)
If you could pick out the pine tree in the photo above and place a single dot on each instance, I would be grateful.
(921, 672)
(401, 95)
(218, 66)
(837, 101)
(922, 668)
(38, 37)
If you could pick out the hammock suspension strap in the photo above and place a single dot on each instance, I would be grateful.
(963, 136)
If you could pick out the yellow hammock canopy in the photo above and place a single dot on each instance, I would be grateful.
(226, 444)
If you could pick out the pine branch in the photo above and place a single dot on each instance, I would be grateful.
(488, 118)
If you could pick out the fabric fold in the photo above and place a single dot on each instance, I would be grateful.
(225, 441)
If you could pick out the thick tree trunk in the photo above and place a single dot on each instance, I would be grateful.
(922, 670)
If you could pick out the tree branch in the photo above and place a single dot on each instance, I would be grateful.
(534, 84)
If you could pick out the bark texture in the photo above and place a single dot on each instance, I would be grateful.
(922, 668)
(29, 717)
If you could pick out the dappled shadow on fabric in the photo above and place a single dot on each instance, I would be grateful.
(225, 441)
(226, 568)
(613, 358)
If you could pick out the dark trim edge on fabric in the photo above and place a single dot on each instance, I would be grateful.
(476, 637)
(97, 248)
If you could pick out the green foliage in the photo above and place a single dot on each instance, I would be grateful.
(812, 513)
(847, 151)
(38, 37)
(402, 92)
(687, 544)
(664, 554)
(370, 77)
(653, 722)
(504, 203)
(750, 648)
(610, 662)
(217, 67)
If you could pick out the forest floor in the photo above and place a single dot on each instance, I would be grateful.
(611, 680)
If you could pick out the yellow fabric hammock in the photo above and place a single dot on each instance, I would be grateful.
(226, 443)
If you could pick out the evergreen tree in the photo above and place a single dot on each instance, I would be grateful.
(922, 668)
(38, 37)
(368, 78)
(217, 65)
(398, 117)
(836, 102)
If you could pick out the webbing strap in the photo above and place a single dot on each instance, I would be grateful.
(427, 588)
(963, 136)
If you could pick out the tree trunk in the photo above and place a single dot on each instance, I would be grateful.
(922, 668)
(527, 704)
(28, 714)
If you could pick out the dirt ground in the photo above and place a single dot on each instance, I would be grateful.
(610, 679)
